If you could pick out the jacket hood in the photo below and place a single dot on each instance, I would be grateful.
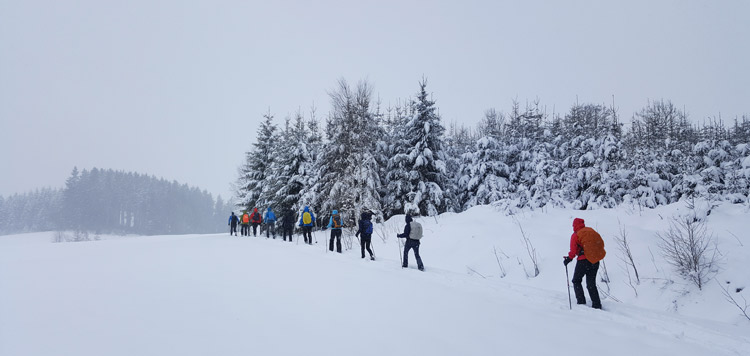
(307, 208)
(578, 224)
(335, 212)
(408, 218)
(269, 208)
(255, 210)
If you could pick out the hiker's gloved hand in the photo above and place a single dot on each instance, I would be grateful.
(567, 260)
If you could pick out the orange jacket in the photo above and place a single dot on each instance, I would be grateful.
(575, 246)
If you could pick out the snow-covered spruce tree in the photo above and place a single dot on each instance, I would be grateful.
(308, 195)
(397, 183)
(524, 131)
(737, 183)
(426, 168)
(657, 143)
(485, 178)
(255, 170)
(591, 156)
(347, 172)
(713, 161)
(459, 141)
(545, 172)
(740, 132)
(292, 165)
(382, 156)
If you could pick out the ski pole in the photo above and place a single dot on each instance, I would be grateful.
(570, 302)
(400, 257)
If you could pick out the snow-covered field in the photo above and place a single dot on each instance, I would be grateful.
(222, 295)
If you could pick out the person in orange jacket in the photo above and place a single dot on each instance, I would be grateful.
(584, 267)
(245, 224)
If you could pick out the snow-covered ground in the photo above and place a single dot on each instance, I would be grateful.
(222, 295)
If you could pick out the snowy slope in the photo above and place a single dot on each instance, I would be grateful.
(222, 295)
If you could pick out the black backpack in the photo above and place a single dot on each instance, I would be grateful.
(336, 221)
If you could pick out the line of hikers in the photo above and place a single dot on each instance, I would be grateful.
(254, 219)
(412, 231)
(586, 245)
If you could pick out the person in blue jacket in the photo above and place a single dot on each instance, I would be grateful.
(365, 233)
(335, 224)
(270, 219)
(233, 220)
(307, 221)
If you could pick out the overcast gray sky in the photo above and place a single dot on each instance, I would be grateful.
(177, 88)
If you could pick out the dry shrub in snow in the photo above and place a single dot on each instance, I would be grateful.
(690, 249)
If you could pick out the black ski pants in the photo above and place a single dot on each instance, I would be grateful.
(335, 233)
(233, 229)
(287, 231)
(271, 230)
(412, 245)
(255, 229)
(307, 234)
(245, 230)
(584, 268)
(364, 242)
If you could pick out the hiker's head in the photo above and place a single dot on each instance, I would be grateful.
(408, 218)
(578, 224)
(335, 212)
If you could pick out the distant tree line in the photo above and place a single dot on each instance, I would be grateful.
(107, 201)
(403, 159)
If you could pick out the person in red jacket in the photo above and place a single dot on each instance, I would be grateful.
(584, 268)
(255, 220)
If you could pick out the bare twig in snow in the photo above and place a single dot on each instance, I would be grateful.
(499, 264)
(530, 250)
(472, 270)
(624, 245)
(728, 296)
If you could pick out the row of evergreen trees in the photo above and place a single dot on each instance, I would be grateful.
(108, 201)
(404, 160)
(387, 163)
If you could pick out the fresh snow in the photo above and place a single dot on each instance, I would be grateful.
(222, 295)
